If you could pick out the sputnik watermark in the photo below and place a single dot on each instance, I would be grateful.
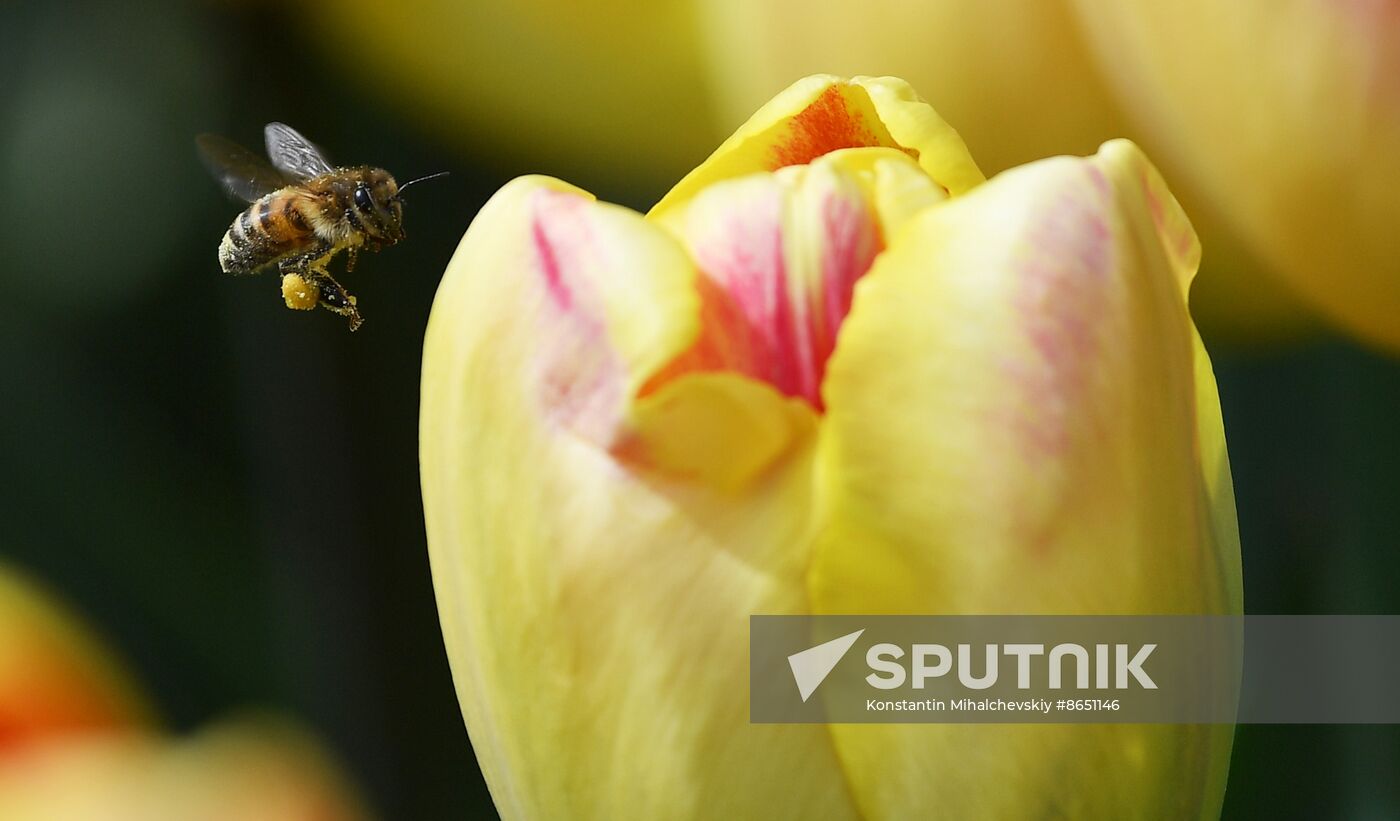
(1067, 669)
(894, 673)
(810, 668)
(889, 673)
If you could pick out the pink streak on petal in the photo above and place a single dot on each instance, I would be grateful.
(581, 376)
(853, 241)
(1063, 296)
(762, 318)
(549, 264)
(1181, 239)
(745, 257)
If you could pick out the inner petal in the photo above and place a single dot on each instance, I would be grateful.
(779, 256)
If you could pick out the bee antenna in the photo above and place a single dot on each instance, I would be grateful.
(420, 179)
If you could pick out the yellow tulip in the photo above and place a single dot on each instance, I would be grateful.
(833, 371)
(1286, 115)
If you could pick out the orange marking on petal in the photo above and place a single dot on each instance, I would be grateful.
(827, 125)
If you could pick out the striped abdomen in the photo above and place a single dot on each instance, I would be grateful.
(270, 229)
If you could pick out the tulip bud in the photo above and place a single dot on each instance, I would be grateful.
(833, 371)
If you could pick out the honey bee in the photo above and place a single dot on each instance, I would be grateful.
(304, 211)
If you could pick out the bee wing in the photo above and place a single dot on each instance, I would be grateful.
(242, 172)
(293, 154)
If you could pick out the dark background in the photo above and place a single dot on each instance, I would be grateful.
(229, 490)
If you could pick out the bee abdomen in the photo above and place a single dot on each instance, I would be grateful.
(268, 230)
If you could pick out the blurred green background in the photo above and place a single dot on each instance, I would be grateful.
(229, 490)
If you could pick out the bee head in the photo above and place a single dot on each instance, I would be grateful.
(376, 206)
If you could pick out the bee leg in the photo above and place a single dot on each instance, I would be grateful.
(334, 297)
(313, 259)
(311, 284)
(351, 256)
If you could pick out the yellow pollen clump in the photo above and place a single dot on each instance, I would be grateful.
(299, 294)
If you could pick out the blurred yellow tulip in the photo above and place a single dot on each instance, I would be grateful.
(76, 741)
(1286, 114)
(604, 90)
(833, 371)
(55, 678)
(241, 771)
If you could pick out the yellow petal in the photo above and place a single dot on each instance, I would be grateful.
(595, 608)
(56, 678)
(718, 428)
(821, 114)
(1055, 448)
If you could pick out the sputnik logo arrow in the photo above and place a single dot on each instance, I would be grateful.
(811, 666)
